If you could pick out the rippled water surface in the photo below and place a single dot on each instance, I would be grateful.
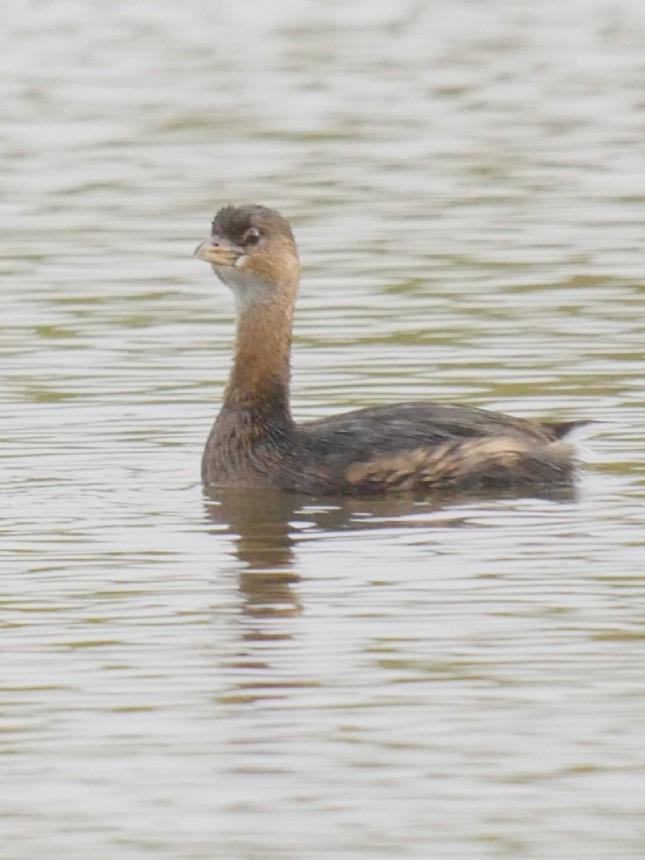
(266, 676)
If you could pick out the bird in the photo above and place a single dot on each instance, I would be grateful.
(419, 447)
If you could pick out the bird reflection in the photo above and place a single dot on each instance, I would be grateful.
(261, 524)
(260, 521)
(268, 528)
(268, 524)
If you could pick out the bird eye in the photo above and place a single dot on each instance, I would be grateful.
(252, 236)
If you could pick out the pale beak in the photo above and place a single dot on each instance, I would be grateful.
(219, 251)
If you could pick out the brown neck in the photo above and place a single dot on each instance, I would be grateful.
(259, 379)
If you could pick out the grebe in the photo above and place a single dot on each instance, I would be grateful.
(407, 447)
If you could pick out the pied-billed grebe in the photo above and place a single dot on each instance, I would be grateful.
(417, 447)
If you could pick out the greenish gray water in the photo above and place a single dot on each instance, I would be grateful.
(260, 676)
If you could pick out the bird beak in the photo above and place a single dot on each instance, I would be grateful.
(218, 251)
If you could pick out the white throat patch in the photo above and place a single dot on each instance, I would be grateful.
(247, 287)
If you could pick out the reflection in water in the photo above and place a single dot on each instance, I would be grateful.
(267, 524)
(267, 662)
(261, 522)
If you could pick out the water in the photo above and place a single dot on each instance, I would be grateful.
(259, 676)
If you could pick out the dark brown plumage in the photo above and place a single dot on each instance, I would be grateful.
(409, 447)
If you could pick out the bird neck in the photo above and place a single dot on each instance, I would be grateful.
(259, 380)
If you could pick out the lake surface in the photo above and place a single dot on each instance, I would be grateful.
(267, 676)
